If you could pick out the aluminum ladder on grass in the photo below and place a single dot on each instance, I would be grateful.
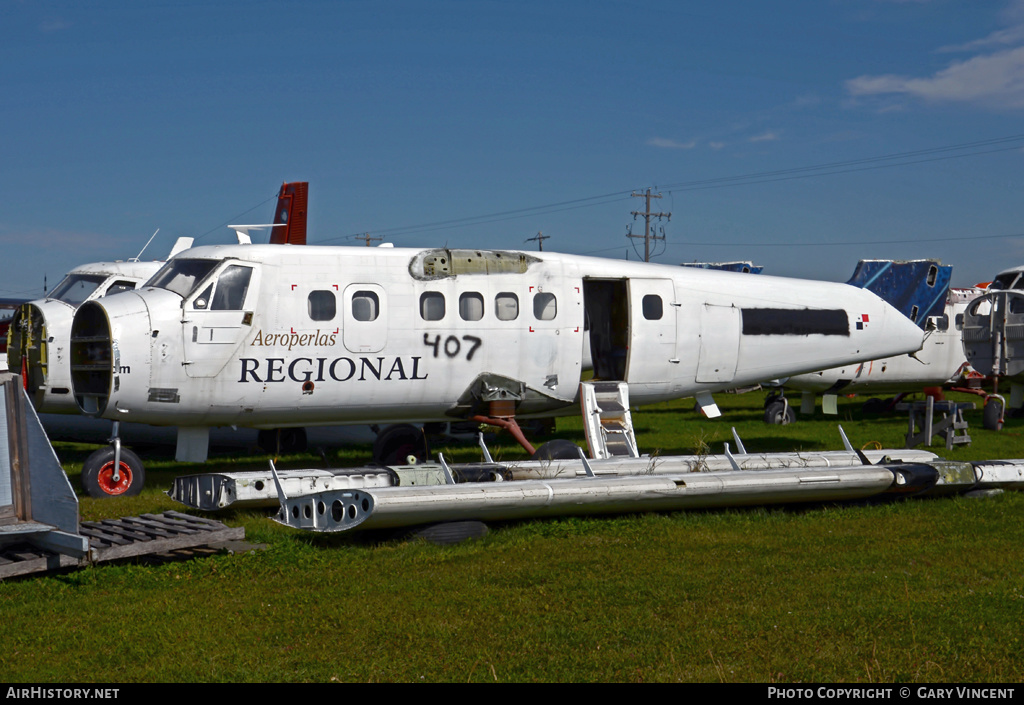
(607, 421)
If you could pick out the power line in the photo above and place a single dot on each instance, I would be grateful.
(767, 175)
(958, 238)
(885, 161)
(236, 218)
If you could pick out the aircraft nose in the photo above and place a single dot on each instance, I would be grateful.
(95, 348)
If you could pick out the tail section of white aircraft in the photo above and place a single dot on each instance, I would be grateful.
(913, 287)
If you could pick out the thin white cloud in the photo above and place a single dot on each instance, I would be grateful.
(670, 144)
(716, 145)
(49, 238)
(53, 25)
(999, 38)
(765, 137)
(995, 80)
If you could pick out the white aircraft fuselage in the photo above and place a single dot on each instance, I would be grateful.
(269, 336)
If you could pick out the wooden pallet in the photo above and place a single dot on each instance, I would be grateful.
(113, 539)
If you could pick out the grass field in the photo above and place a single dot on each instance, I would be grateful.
(921, 590)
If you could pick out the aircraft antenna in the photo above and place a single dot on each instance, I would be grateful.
(136, 257)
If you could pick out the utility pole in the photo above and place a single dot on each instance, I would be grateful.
(366, 236)
(647, 222)
(541, 237)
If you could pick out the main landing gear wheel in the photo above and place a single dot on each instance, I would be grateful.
(779, 414)
(396, 443)
(558, 449)
(98, 474)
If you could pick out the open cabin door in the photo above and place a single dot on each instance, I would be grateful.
(606, 305)
(632, 329)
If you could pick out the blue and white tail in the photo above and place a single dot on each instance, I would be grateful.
(917, 288)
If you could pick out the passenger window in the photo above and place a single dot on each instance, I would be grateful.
(506, 306)
(652, 307)
(321, 305)
(365, 306)
(232, 285)
(545, 308)
(471, 306)
(432, 306)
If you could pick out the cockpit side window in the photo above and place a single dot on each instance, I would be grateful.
(232, 286)
(182, 276)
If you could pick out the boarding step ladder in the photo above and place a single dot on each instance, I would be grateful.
(606, 419)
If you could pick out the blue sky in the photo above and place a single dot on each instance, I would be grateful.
(185, 115)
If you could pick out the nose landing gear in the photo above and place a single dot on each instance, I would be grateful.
(102, 476)
(113, 471)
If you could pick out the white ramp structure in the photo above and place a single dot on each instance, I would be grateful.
(38, 507)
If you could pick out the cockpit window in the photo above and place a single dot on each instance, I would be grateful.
(119, 286)
(182, 275)
(1006, 281)
(76, 288)
(232, 286)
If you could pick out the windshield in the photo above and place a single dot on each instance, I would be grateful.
(76, 288)
(1008, 280)
(182, 275)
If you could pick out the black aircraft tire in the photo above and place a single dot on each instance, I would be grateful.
(991, 414)
(98, 474)
(446, 533)
(775, 415)
(396, 443)
(558, 449)
(874, 405)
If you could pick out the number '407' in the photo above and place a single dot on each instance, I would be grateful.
(453, 346)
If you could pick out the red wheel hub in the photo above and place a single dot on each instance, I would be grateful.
(105, 479)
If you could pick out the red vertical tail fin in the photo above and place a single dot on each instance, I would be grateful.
(291, 213)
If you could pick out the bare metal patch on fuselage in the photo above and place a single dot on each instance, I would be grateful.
(443, 263)
(165, 395)
(795, 321)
